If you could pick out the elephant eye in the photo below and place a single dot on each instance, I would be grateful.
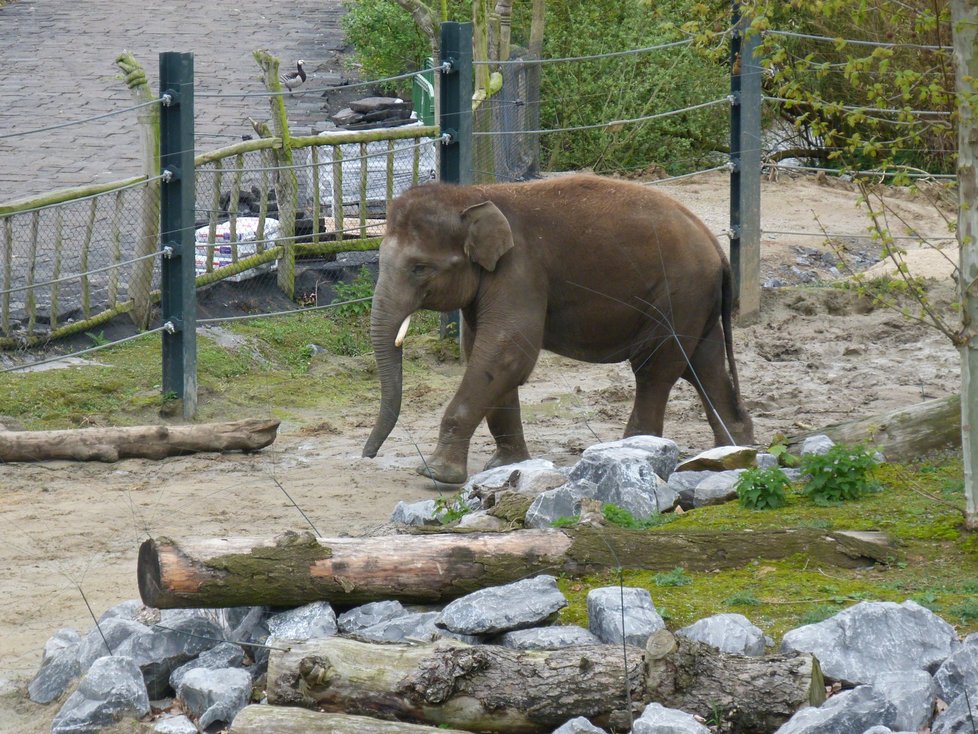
(420, 269)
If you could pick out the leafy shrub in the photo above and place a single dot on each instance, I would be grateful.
(361, 287)
(742, 598)
(843, 473)
(385, 40)
(819, 613)
(566, 522)
(763, 489)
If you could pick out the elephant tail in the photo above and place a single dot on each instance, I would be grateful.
(727, 306)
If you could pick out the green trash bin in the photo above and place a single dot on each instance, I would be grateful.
(423, 94)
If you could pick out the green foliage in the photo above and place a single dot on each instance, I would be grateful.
(843, 473)
(785, 458)
(622, 518)
(362, 286)
(763, 489)
(819, 613)
(626, 87)
(97, 337)
(451, 508)
(675, 577)
(965, 611)
(385, 39)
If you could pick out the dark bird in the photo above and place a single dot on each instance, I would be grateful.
(293, 79)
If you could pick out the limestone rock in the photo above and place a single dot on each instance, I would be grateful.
(518, 605)
(367, 615)
(215, 695)
(112, 688)
(554, 504)
(225, 655)
(423, 512)
(912, 693)
(855, 710)
(624, 476)
(548, 638)
(731, 633)
(59, 666)
(604, 610)
(818, 444)
(311, 621)
(578, 725)
(657, 719)
(721, 458)
(959, 671)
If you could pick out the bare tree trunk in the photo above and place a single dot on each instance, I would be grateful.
(298, 568)
(964, 22)
(491, 688)
(533, 83)
(753, 694)
(478, 688)
(147, 442)
(141, 281)
(425, 22)
(905, 432)
(265, 719)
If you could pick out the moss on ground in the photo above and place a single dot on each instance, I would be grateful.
(919, 506)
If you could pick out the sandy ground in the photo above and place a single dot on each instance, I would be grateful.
(71, 531)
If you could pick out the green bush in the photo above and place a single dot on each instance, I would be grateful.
(843, 473)
(675, 577)
(362, 286)
(763, 489)
(385, 40)
(622, 518)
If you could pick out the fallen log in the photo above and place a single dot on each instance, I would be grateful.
(903, 433)
(298, 568)
(265, 719)
(491, 688)
(750, 694)
(477, 688)
(146, 442)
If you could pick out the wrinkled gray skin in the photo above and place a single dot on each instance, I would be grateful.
(590, 268)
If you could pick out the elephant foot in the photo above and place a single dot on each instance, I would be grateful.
(444, 473)
(504, 458)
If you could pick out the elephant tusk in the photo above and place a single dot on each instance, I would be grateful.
(402, 332)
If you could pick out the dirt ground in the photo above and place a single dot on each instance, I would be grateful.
(814, 357)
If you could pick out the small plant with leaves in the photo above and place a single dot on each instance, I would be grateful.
(675, 577)
(567, 521)
(361, 287)
(763, 489)
(785, 458)
(841, 474)
(451, 508)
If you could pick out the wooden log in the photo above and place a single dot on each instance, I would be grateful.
(477, 688)
(750, 694)
(265, 719)
(298, 568)
(903, 433)
(149, 442)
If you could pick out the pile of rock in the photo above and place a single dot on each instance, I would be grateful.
(373, 112)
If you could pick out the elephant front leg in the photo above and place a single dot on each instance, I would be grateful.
(449, 462)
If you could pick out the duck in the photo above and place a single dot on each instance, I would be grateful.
(293, 79)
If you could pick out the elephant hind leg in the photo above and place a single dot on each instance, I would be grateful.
(708, 373)
(655, 374)
(506, 426)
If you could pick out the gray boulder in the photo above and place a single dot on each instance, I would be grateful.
(312, 621)
(912, 693)
(416, 626)
(181, 635)
(961, 717)
(423, 512)
(112, 636)
(531, 477)
(870, 638)
(731, 633)
(554, 504)
(225, 655)
(663, 454)
(684, 482)
(128, 609)
(624, 476)
(548, 638)
(170, 724)
(514, 606)
(59, 666)
(717, 489)
(578, 725)
(215, 695)
(657, 719)
(367, 615)
(482, 521)
(850, 711)
(766, 461)
(604, 610)
(818, 444)
(112, 688)
(959, 671)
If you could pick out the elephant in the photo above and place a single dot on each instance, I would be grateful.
(592, 268)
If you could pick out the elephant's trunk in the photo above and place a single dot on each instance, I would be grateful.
(387, 340)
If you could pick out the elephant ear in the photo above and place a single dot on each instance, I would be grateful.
(488, 235)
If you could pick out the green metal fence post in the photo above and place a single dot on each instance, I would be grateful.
(456, 120)
(745, 159)
(178, 299)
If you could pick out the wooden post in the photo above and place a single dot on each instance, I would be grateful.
(141, 278)
(745, 159)
(86, 290)
(287, 185)
(964, 22)
(8, 259)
